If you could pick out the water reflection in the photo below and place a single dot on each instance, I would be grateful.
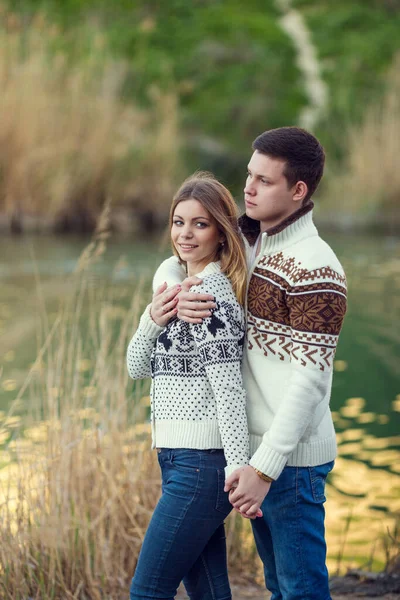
(363, 496)
(364, 488)
(362, 505)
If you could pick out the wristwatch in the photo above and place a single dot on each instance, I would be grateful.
(263, 476)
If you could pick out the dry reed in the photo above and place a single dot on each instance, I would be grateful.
(67, 139)
(366, 191)
(75, 502)
(81, 484)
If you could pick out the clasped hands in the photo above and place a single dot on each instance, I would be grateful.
(246, 491)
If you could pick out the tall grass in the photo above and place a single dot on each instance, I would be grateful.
(81, 483)
(68, 140)
(75, 503)
(366, 190)
(391, 546)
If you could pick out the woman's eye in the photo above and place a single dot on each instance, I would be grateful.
(201, 225)
(177, 222)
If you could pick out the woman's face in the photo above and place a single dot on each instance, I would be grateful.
(195, 235)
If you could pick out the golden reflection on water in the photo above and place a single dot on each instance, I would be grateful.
(363, 491)
(369, 499)
(396, 403)
(9, 385)
(340, 365)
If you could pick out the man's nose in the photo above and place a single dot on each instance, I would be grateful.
(249, 188)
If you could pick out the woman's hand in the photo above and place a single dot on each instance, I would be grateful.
(163, 306)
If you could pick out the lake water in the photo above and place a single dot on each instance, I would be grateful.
(364, 489)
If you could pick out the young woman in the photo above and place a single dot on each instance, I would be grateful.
(198, 412)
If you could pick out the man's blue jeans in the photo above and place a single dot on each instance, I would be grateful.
(290, 536)
(185, 540)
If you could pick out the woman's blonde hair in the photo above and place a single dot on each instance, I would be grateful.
(218, 201)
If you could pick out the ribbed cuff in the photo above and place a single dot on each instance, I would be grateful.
(314, 453)
(230, 468)
(268, 461)
(306, 454)
(147, 326)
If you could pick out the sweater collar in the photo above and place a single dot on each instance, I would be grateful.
(294, 228)
(213, 267)
(291, 219)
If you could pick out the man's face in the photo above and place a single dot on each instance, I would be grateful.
(267, 195)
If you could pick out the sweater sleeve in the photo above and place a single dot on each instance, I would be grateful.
(138, 356)
(219, 339)
(141, 345)
(170, 271)
(316, 313)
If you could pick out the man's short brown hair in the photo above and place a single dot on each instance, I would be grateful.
(303, 154)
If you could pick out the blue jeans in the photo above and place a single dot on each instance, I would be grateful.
(185, 540)
(290, 537)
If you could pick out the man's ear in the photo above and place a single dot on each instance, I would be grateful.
(300, 191)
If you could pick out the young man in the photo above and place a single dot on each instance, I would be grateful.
(295, 307)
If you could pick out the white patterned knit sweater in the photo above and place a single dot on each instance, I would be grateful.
(197, 395)
(296, 302)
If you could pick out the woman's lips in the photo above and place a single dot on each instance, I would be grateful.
(188, 247)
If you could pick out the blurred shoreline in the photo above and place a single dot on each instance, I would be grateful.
(123, 221)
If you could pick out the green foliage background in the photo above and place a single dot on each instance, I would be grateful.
(356, 41)
(233, 66)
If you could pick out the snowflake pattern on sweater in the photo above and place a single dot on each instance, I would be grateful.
(196, 375)
(298, 316)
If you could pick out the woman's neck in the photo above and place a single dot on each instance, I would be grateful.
(195, 268)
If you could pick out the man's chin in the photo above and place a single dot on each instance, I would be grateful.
(249, 211)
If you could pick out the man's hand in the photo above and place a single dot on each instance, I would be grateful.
(164, 304)
(193, 307)
(249, 492)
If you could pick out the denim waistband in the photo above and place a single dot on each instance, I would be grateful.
(208, 451)
(211, 458)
